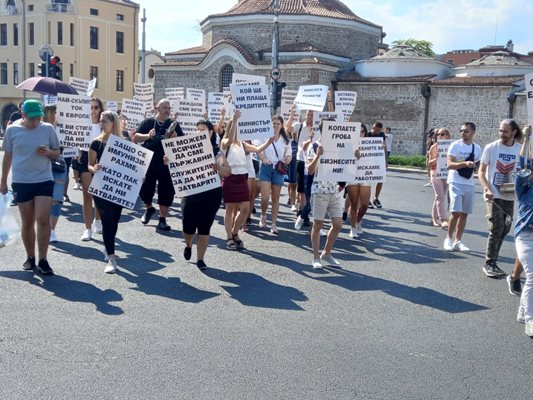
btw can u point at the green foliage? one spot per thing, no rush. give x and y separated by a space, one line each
418 161
422 46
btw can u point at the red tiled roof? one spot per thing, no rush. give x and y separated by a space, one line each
320 8
355 77
190 50
478 81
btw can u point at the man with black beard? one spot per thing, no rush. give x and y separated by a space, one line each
149 134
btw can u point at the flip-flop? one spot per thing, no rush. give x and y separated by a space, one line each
238 242
230 244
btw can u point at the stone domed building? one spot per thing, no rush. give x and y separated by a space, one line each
319 41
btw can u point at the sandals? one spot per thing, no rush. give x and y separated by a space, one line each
434 223
230 244
444 225
238 242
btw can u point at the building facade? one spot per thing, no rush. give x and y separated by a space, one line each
93 38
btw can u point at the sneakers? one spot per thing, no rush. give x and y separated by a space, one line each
274 229
515 286
44 267
87 235
329 261
492 270
53 236
520 317
163 226
529 328
187 252
316 263
359 228
201 265
29 264
377 203
299 223
148 214
78 186
263 221
294 208
448 244
111 266
97 226
323 233
370 205
460 246
353 234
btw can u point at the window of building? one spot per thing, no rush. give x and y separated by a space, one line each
3 34
72 34
94 11
59 32
71 69
15 73
93 73
120 42
226 76
120 81
120 17
15 35
31 69
94 37
3 73
30 7
31 33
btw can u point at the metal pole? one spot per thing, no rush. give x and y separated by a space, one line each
275 44
143 50
24 44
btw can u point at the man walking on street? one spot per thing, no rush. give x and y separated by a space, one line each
463 155
498 162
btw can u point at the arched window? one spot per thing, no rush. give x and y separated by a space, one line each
226 74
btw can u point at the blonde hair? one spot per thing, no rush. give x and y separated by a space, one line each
115 130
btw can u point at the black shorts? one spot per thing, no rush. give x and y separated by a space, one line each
199 211
23 192
83 162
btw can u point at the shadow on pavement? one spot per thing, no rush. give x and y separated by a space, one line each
71 290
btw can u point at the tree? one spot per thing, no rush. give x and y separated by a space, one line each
422 46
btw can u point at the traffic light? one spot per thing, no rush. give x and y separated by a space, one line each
42 69
54 67
279 89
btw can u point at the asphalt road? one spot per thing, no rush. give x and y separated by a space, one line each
403 319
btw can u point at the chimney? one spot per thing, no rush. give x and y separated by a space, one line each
510 45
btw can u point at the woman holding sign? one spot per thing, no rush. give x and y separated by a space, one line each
109 212
439 215
271 174
235 186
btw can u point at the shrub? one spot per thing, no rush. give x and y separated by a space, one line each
411 161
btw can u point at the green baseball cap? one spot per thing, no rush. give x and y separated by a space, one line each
32 108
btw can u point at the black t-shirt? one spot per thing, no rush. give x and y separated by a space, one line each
380 134
99 147
154 143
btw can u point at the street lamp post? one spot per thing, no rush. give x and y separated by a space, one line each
275 44
143 49
23 44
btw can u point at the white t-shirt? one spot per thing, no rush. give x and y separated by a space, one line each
461 151
303 136
501 162
283 150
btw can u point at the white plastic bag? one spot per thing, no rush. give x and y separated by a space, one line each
9 229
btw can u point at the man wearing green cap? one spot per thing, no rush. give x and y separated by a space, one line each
29 145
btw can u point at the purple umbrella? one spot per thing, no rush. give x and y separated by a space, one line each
46 85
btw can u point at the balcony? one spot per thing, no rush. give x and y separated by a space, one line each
10 9
59 6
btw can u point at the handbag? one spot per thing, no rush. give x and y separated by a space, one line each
467 172
281 167
59 166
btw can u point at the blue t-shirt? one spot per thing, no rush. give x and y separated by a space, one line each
27 166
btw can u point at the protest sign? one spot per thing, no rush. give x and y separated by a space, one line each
215 104
111 105
69 152
371 166
81 85
188 113
228 104
174 94
49 100
144 92
287 100
91 87
134 112
442 158
529 97
254 105
74 124
196 96
319 116
339 140
124 167
311 97
345 103
190 161
246 79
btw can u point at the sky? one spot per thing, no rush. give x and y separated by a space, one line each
448 24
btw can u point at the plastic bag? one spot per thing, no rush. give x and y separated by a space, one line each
9 229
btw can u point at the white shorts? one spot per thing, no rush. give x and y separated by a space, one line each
462 198
326 202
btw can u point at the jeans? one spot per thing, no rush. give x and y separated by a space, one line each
496 214
524 250
308 182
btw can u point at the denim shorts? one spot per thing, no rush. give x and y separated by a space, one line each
267 173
